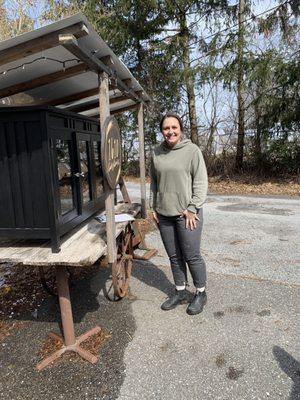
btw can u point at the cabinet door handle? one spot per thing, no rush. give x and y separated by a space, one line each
79 174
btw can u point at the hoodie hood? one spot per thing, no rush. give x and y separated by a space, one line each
178 146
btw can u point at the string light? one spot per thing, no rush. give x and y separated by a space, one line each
43 58
113 79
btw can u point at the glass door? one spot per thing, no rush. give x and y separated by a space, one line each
66 180
97 168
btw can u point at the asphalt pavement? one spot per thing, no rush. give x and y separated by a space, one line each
244 346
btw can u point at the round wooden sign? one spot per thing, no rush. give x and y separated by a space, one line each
111 151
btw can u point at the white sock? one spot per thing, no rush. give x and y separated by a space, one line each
180 287
201 289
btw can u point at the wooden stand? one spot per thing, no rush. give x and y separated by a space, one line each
142 159
139 241
70 342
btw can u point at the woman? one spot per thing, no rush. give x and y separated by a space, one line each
177 193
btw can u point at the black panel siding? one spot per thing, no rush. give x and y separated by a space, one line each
7 216
37 184
16 187
23 154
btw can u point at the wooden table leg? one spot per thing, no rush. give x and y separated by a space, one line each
70 343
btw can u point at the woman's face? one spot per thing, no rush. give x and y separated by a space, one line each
171 131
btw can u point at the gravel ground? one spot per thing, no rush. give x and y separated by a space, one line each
245 345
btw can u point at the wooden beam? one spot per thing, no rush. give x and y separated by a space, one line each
123 189
108 61
118 111
72 45
113 112
96 65
127 82
71 97
142 159
123 109
94 104
110 198
38 44
43 80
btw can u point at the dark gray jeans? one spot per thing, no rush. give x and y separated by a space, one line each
183 247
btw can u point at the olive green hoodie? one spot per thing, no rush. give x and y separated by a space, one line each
178 178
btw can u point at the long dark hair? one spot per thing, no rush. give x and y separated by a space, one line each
170 115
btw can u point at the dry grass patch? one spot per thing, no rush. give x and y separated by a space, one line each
248 184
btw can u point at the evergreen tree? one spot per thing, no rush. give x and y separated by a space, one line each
16 17
265 60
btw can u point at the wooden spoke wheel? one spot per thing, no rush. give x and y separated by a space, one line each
121 269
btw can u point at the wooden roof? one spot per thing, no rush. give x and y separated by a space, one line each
59 65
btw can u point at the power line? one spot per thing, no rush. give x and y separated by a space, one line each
229 28
245 21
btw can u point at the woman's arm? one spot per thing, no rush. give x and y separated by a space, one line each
153 190
199 182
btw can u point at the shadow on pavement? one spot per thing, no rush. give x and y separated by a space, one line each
151 275
291 367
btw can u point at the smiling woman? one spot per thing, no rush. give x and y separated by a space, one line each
171 128
178 192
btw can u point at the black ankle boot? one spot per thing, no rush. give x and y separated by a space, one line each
180 297
197 304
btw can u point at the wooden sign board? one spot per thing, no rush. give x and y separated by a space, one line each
111 151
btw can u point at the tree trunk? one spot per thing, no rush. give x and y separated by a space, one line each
257 143
210 140
240 89
189 79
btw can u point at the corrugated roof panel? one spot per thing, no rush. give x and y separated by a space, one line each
49 61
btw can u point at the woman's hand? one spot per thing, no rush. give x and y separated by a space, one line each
190 219
155 217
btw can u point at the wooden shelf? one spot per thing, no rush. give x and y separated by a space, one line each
80 248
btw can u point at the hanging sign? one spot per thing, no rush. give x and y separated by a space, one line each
111 151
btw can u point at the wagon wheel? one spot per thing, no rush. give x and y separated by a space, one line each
121 269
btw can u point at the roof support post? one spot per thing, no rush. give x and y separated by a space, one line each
142 158
94 64
109 201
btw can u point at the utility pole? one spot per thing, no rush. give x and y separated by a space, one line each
240 88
